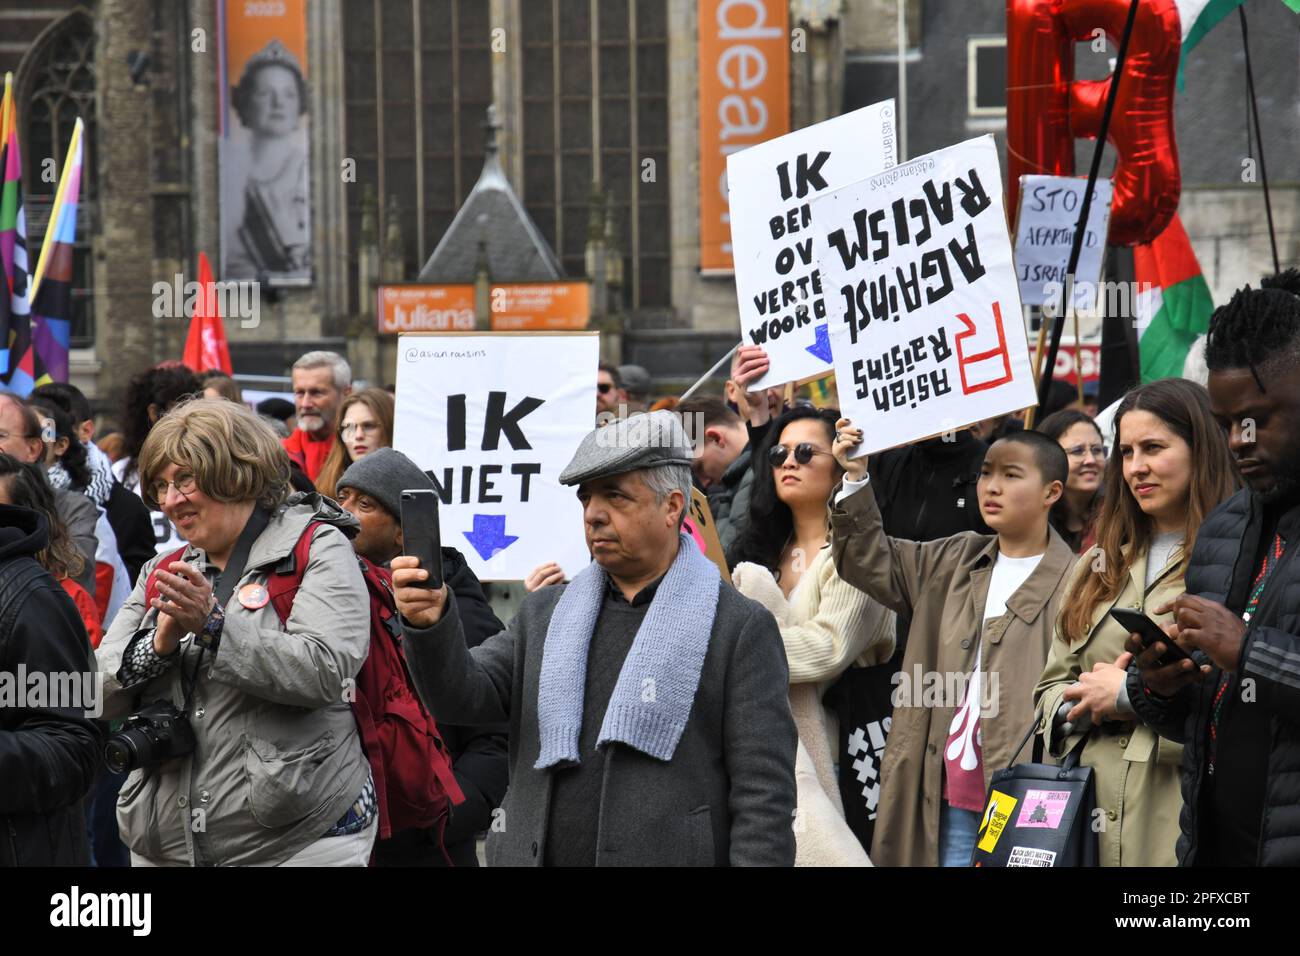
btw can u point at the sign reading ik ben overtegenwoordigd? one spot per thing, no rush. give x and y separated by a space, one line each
1049 216
924 309
782 293
494 418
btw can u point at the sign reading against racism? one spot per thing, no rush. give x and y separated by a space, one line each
494 418
744 99
1049 215
539 306
925 314
425 308
263 141
781 291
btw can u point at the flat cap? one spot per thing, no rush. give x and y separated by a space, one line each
630 444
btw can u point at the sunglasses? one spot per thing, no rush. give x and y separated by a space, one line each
803 453
604 387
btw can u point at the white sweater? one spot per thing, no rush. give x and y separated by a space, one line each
827 626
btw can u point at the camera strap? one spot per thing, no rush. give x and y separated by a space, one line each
224 586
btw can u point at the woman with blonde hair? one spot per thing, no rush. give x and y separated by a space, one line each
253 733
365 423
1171 468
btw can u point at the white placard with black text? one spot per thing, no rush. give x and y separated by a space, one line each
782 296
924 307
1049 216
495 418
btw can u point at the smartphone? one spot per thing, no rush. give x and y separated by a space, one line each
1135 622
421 537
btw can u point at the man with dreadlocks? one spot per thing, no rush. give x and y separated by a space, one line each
1236 705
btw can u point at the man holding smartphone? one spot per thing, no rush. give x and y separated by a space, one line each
647 698
1236 705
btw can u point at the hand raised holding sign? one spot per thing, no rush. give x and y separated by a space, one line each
848 438
542 576
750 364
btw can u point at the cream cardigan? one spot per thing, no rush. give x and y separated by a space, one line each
827 626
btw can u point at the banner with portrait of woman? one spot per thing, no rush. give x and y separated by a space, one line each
263 130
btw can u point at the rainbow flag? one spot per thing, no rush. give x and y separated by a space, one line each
46 359
15 327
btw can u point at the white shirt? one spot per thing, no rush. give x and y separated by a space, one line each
1008 575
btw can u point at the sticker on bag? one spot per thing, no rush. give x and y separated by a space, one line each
996 815
1043 809
1028 856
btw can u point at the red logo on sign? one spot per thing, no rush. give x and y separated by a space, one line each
979 362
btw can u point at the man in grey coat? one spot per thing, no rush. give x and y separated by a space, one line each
649 722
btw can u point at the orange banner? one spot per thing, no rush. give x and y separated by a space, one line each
425 308
540 306
744 100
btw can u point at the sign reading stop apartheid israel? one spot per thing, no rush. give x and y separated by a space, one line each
781 291
494 418
1049 215
921 291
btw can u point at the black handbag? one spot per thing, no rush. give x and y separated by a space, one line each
1038 814
862 702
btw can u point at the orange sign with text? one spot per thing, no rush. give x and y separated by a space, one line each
539 306
744 100
425 308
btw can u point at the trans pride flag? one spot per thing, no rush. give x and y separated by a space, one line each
46 359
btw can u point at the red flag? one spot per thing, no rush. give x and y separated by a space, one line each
205 347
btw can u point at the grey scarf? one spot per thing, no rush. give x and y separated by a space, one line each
667 655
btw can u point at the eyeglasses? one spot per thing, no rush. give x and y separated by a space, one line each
803 453
7 435
1098 451
350 427
604 387
185 484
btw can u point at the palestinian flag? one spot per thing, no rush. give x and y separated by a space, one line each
46 359
15 328
1173 303
1199 17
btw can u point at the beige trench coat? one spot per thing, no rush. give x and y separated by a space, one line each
943 584
1136 771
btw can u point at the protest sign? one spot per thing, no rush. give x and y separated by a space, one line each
700 526
495 417
926 324
781 292
1049 215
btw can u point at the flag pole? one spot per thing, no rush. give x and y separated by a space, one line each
1045 383
709 374
1259 138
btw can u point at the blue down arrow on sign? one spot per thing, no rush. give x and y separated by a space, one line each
489 535
822 347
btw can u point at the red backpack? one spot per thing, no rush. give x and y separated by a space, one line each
414 782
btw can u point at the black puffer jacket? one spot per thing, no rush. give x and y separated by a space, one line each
48 755
1221 570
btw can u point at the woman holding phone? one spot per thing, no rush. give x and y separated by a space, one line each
1171 467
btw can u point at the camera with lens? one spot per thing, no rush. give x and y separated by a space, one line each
157 732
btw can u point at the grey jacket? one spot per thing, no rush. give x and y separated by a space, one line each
730 502
726 797
278 758
80 515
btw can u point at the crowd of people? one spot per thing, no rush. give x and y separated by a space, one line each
282 685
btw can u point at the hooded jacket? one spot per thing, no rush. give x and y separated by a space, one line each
48 755
278 759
